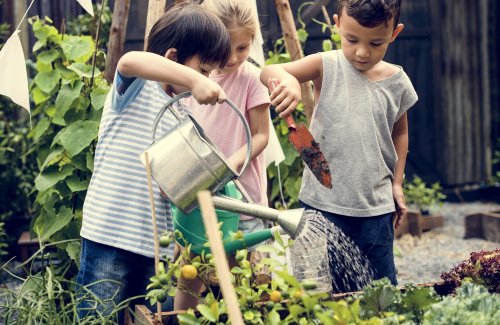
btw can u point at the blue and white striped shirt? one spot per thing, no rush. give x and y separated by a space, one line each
117 210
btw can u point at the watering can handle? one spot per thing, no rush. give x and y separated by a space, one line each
178 116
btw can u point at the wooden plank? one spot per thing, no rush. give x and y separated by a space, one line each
415 223
484 225
431 221
467 115
144 316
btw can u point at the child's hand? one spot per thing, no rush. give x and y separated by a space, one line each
399 200
206 91
285 96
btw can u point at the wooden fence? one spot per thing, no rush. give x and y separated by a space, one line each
448 48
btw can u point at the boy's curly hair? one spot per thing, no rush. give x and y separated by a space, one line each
371 13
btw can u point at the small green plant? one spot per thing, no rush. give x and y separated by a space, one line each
423 196
47 297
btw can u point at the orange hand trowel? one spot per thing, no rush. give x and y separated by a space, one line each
307 147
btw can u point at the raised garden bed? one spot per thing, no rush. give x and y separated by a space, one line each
484 225
415 223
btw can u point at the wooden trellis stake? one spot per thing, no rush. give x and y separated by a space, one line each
221 264
117 37
156 8
293 47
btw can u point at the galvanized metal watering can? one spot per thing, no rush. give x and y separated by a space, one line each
184 161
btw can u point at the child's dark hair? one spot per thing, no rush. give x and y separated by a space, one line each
371 13
192 30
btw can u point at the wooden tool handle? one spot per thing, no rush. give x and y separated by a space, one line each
290 122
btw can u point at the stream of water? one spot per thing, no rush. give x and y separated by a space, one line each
323 253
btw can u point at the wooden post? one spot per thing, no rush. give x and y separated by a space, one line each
293 47
221 264
156 8
117 37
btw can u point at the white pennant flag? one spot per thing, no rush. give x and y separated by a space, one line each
13 74
87 5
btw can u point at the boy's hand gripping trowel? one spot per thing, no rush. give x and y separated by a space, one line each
307 147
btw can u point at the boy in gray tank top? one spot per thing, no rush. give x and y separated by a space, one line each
360 122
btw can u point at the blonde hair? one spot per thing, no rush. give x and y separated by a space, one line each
234 13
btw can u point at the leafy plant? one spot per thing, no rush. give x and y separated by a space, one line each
471 305
381 299
423 196
69 95
49 298
481 268
285 300
85 24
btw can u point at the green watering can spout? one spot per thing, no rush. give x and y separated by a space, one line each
249 239
193 230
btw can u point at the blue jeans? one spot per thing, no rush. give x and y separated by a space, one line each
373 235
113 275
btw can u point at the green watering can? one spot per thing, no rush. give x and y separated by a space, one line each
193 230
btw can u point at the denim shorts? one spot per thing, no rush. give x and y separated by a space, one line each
129 274
373 235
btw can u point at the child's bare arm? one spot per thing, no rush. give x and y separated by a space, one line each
150 66
259 128
287 94
400 140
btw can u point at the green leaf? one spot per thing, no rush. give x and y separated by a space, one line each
379 296
206 312
38 96
273 317
41 127
83 70
296 310
290 279
188 319
80 162
327 45
75 184
90 161
53 158
249 315
51 177
33 284
267 249
47 81
43 32
77 136
78 48
302 34
66 96
98 96
46 225
47 57
73 250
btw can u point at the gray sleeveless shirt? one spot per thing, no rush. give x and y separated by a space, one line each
352 122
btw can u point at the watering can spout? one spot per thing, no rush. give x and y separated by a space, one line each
292 221
249 239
